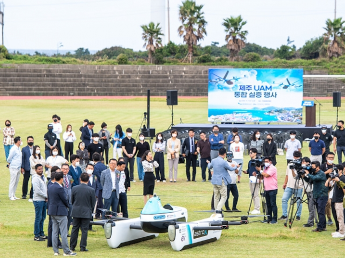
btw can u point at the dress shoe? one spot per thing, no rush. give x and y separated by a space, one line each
83 250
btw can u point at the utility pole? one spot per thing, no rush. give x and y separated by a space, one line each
335 9
168 23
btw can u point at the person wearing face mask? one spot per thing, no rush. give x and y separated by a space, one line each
327 139
54 160
57 129
141 147
269 148
35 158
204 149
117 142
317 148
291 188
50 141
320 192
217 141
292 145
129 149
158 148
149 180
122 207
83 155
95 146
256 142
190 152
14 161
269 175
237 149
339 140
104 139
231 137
26 154
97 171
67 186
69 138
8 141
173 147
75 170
95 184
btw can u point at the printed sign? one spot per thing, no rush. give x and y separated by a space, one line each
200 233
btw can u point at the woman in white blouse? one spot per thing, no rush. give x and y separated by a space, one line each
173 147
54 160
149 179
237 149
35 159
69 138
159 148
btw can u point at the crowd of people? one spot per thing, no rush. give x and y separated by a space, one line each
76 185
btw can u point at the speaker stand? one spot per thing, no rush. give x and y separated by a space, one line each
172 117
336 122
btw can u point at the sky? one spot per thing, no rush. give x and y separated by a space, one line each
98 24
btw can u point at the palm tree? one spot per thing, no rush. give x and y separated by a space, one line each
335 32
193 25
151 35
235 36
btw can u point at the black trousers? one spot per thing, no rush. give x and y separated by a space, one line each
26 183
58 145
50 232
106 151
334 213
83 225
123 204
131 166
99 204
204 168
191 159
233 189
272 209
69 218
159 157
68 150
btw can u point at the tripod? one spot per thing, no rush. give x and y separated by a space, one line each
262 195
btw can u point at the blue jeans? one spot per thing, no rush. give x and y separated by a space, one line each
40 216
340 151
141 172
7 150
204 168
321 211
287 195
239 161
111 202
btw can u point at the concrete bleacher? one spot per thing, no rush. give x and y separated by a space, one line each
124 80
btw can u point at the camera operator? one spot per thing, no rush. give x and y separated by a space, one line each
220 178
254 186
328 168
291 188
269 174
320 192
337 199
308 187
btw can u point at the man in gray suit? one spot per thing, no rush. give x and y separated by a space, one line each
110 182
67 186
83 200
220 178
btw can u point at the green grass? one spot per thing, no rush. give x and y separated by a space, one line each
30 117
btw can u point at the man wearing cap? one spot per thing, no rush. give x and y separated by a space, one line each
317 148
327 138
291 145
50 140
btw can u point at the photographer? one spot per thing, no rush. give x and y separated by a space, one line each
337 199
320 192
220 178
255 185
291 188
328 168
308 187
269 174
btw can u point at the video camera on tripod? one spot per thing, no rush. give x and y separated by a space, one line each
258 162
298 167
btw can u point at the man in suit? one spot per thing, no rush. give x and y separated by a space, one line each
98 168
189 151
26 153
67 186
57 209
86 133
94 183
75 170
110 182
83 202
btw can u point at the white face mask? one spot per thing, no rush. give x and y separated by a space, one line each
89 171
267 164
129 134
292 136
257 136
159 137
96 139
69 129
141 138
38 151
323 131
21 143
330 161
77 164
55 153
174 135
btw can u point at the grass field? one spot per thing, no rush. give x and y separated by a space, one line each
30 117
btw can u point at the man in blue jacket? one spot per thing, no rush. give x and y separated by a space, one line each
75 170
220 179
216 141
57 209
26 153
86 133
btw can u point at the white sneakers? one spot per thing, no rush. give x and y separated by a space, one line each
164 181
337 234
158 181
30 200
12 199
255 212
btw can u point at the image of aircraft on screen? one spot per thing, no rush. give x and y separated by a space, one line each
255 95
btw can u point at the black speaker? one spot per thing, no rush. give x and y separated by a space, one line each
171 97
337 99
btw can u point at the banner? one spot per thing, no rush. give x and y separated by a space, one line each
255 95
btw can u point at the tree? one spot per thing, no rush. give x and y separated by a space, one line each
335 32
235 37
311 48
193 25
285 52
152 36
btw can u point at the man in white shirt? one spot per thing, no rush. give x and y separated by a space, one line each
14 164
292 145
124 181
57 129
